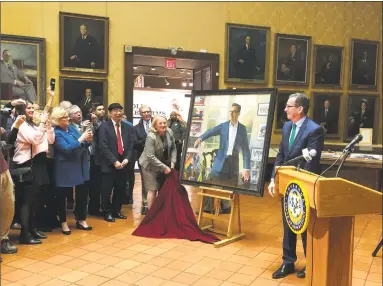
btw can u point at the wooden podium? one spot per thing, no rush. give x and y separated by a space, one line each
330 233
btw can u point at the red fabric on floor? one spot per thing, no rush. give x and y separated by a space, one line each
171 215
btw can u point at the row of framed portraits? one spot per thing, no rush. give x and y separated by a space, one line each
340 116
247 58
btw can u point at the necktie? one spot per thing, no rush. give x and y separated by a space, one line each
325 114
86 101
120 150
292 135
147 126
9 67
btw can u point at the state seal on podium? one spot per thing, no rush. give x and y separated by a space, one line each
296 207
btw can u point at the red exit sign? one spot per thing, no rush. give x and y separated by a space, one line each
170 63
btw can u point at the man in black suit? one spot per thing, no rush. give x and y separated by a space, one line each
328 118
360 119
116 144
86 102
86 51
292 68
363 71
329 73
246 61
142 129
98 117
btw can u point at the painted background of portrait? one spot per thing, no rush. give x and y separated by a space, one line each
281 117
236 42
96 29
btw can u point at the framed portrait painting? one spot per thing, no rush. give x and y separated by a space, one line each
362 113
326 109
364 64
292 59
247 53
23 69
84 92
328 66
84 43
207 160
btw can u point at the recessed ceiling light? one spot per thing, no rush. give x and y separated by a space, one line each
189 72
153 68
134 67
184 84
191 83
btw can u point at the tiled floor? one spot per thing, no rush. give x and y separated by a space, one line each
110 256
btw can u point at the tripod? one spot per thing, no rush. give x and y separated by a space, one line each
378 247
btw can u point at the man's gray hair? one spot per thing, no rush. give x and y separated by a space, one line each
301 99
144 106
73 109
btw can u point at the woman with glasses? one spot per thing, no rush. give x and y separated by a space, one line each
71 168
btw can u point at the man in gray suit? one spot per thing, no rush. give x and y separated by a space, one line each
22 86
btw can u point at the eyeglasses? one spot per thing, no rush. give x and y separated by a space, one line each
233 111
290 106
65 118
146 112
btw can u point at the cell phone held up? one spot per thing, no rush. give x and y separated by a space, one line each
52 84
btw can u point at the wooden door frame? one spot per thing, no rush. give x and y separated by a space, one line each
131 51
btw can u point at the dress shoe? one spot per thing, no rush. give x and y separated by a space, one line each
38 234
302 273
66 232
28 239
16 226
283 271
119 215
108 217
144 210
7 247
80 226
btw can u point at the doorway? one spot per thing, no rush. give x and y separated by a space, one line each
148 69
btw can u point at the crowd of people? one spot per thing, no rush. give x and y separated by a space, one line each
56 159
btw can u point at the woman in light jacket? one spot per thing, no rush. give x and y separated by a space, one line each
71 168
31 148
158 158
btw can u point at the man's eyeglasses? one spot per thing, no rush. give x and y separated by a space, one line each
290 106
233 111
146 112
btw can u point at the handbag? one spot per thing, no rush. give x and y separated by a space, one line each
23 174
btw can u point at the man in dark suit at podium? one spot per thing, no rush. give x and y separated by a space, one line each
297 134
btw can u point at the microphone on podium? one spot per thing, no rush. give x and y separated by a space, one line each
306 155
354 141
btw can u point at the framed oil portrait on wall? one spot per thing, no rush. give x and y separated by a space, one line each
326 109
292 59
328 66
362 112
84 92
247 53
206 160
280 114
84 43
23 69
364 64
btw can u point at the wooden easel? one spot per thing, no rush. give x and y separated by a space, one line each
233 232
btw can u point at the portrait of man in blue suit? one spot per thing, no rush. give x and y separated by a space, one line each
233 141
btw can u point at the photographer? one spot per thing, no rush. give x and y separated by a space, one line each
30 153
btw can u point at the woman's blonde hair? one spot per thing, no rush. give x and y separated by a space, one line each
155 121
57 113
